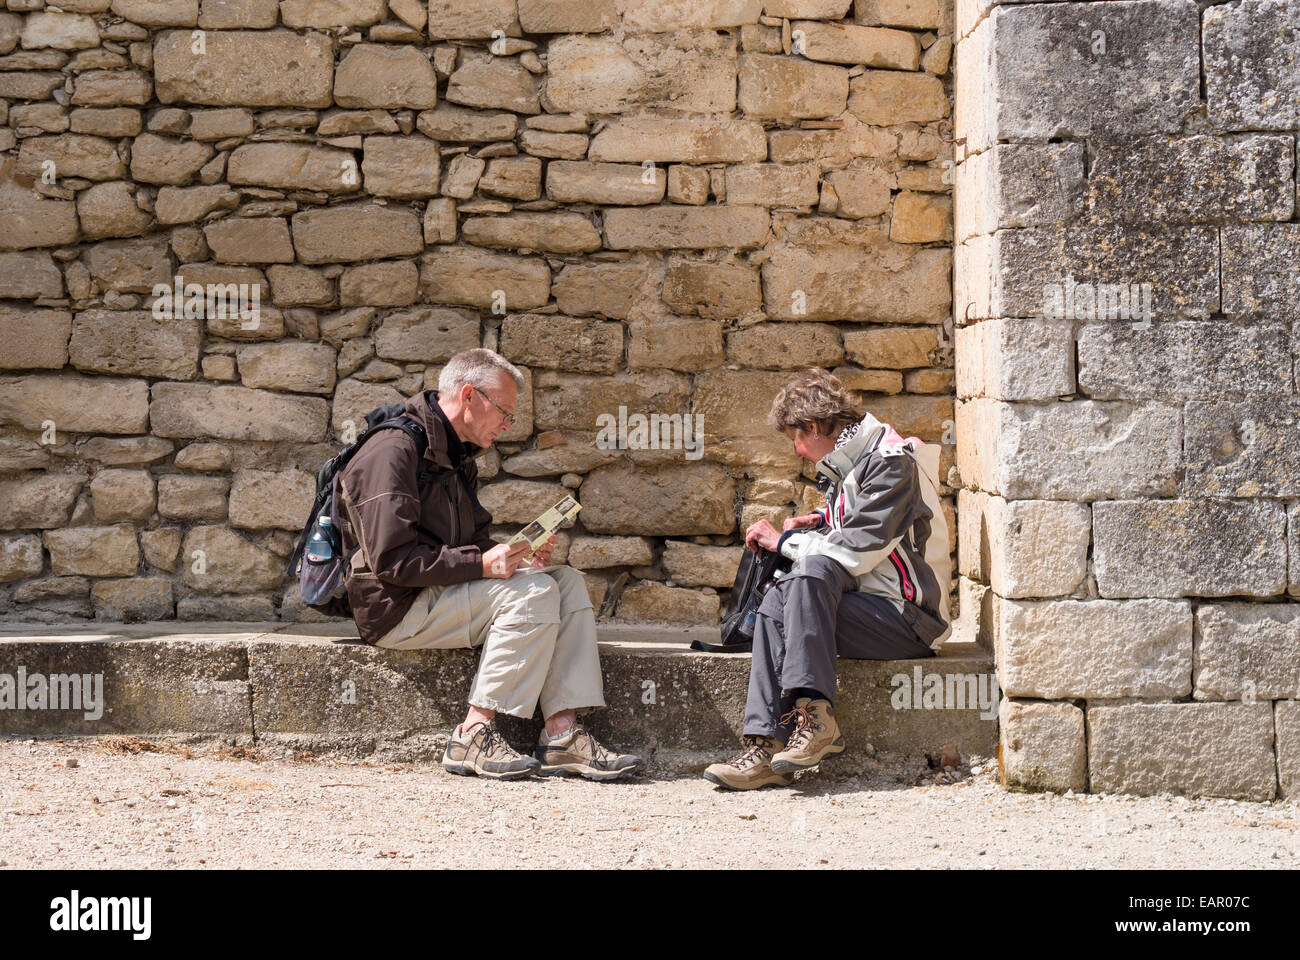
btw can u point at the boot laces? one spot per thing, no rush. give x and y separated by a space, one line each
754 752
806 725
494 742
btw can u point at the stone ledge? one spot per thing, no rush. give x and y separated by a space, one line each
303 687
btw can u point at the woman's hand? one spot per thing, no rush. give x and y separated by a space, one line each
762 534
798 523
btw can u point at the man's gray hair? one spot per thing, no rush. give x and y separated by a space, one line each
475 367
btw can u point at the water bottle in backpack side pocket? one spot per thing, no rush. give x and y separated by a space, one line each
320 548
322 574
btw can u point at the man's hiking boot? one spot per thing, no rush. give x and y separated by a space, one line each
816 736
751 769
578 752
483 751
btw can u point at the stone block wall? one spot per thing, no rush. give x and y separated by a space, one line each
1126 280
662 207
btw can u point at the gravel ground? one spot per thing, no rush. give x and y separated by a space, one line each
125 803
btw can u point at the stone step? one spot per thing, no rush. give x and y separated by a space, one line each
305 687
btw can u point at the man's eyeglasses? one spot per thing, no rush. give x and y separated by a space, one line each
510 417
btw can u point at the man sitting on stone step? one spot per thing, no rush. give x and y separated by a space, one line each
427 575
869 580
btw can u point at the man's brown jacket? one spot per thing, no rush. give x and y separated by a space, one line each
409 536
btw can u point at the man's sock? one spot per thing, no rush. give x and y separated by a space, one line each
560 738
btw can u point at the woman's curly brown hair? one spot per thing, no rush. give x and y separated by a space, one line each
816 398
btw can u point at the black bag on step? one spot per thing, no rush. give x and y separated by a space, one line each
759 569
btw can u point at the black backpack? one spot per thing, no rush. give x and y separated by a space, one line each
323 585
758 571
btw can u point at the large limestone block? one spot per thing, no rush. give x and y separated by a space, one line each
572 181
891 348
292 365
110 88
1247 651
1197 749
165 160
31 220
218 560
852 44
34 338
118 495
674 226
450 122
592 553
776 88
1244 449
294 166
664 16
59 31
883 97
564 453
477 20
914 14
248 68
1251 80
879 281
520 501
192 498
93 551
1043 746
234 413
271 499
331 13
21 558
495 83
356 232
773 184
715 290
188 204
1025 548
110 210
565 232
37 500
1047 83
353 400
693 72
1011 359
1260 279
661 140
133 342
405 167
785 346
481 278
70 155
158 13
563 343
677 343
659 500
1095 649
426 334
1184 360
1083 450
570 401
130 266
1197 179
647 601
384 77
567 16
133 600
610 289
251 240
1019 185
75 404
693 565
1175 548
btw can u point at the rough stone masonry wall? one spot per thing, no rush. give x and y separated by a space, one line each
1130 530
667 206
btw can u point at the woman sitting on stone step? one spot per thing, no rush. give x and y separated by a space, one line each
869 581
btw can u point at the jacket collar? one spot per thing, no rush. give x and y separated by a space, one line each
423 408
838 464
